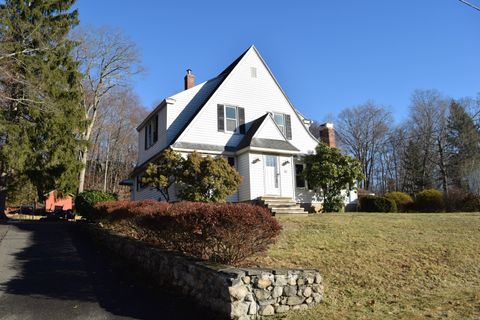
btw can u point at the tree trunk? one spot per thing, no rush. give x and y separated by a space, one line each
443 170
88 133
106 167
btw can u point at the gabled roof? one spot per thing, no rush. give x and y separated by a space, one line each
210 87
222 76
251 140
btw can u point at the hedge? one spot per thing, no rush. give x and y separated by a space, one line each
402 200
223 233
377 204
429 200
86 200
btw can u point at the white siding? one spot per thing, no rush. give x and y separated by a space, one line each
269 130
186 104
243 168
151 193
286 176
257 95
161 143
257 183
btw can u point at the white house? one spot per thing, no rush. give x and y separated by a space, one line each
243 115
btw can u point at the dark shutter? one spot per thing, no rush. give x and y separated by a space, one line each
221 117
155 129
288 127
241 119
146 136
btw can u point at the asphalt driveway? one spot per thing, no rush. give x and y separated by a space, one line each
48 270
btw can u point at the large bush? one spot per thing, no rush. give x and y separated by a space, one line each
377 204
330 173
471 203
429 200
208 179
224 233
85 201
402 200
458 200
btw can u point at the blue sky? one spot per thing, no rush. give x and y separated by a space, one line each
327 55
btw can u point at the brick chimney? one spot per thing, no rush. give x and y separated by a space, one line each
327 134
189 80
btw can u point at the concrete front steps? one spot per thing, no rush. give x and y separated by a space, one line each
282 206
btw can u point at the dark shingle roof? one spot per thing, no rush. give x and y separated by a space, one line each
251 132
272 144
202 146
222 76
249 140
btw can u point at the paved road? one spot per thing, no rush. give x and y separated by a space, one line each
49 271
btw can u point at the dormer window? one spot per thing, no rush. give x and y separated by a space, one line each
284 123
151 132
279 119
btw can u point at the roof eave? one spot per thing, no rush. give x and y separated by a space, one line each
160 106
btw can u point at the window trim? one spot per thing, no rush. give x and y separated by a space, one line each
283 127
151 132
237 119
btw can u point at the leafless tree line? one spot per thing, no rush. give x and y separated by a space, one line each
108 62
437 146
112 150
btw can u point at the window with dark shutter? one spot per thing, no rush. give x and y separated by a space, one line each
155 130
288 127
221 117
146 137
241 119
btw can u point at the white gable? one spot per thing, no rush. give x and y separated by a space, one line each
257 95
269 130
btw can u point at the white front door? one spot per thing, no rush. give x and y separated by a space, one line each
272 176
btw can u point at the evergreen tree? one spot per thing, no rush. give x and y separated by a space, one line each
413 177
463 139
331 173
40 114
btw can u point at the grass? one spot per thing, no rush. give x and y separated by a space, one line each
386 266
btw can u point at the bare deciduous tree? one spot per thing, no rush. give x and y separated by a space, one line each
108 59
113 150
362 132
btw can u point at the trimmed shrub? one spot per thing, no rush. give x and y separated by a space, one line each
223 233
429 200
377 204
471 203
85 201
402 200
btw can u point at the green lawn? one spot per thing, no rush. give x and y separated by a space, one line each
386 266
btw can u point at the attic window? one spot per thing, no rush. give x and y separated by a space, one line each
253 72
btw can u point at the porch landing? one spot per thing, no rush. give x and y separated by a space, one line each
282 206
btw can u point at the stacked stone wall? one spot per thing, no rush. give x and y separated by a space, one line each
235 293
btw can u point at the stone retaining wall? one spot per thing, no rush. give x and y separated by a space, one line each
231 293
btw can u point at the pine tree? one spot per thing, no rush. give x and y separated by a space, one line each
463 139
40 114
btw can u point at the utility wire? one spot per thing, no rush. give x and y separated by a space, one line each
470 5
